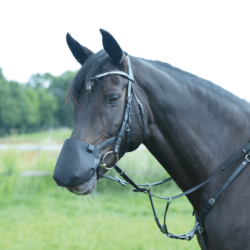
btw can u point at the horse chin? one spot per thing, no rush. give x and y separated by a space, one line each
84 188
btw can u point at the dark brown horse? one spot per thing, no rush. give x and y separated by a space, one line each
193 128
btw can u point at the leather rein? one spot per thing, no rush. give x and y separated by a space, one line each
199 225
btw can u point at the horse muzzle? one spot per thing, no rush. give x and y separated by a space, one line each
78 161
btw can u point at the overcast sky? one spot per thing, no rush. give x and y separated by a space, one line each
210 39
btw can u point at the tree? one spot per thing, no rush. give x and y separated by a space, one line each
12 106
47 107
39 104
59 87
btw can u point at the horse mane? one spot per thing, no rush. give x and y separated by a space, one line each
198 80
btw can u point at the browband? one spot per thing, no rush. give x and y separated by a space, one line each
121 73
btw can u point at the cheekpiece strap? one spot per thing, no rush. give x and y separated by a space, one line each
127 113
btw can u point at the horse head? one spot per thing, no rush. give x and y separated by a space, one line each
100 105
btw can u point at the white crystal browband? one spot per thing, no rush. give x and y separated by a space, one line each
121 73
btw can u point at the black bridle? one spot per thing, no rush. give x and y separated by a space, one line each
125 126
199 225
85 158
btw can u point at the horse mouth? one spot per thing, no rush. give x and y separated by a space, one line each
84 188
72 190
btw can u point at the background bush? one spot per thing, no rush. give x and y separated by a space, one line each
36 105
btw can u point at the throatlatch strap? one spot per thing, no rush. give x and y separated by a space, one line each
142 115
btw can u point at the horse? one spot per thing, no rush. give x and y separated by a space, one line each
190 125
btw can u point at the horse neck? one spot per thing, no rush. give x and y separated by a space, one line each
194 127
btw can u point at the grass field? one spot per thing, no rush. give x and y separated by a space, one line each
36 214
46 137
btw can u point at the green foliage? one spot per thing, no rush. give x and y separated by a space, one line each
59 87
13 108
39 104
1 74
48 106
33 107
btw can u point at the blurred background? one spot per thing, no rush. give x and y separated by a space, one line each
208 39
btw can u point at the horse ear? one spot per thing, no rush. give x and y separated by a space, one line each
80 52
112 47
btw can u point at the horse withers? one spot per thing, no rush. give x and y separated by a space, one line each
190 125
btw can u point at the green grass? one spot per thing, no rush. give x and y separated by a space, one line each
108 222
49 136
35 214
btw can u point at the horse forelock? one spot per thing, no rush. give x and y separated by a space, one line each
93 65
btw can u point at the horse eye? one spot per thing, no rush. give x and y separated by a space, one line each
113 98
